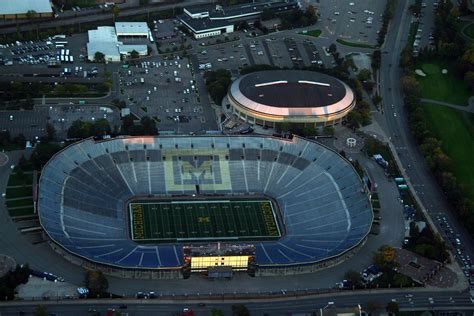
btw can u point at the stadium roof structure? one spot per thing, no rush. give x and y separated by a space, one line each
83 191
291 92
23 6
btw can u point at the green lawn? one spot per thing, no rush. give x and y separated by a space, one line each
19 192
352 44
16 179
314 33
22 211
447 88
456 130
22 202
211 220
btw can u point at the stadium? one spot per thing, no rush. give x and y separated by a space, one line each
134 203
269 97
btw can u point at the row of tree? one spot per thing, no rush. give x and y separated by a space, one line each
450 46
388 13
431 147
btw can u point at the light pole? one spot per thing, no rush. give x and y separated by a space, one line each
360 309
321 309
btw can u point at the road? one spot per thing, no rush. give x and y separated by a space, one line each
394 121
283 306
98 16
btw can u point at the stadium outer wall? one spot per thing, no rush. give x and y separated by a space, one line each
176 273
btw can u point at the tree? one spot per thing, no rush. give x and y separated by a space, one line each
42 153
410 85
134 54
385 258
50 131
372 306
469 78
96 282
353 277
40 310
329 130
99 57
217 312
376 99
376 59
149 126
101 127
80 129
115 12
332 48
392 308
364 74
240 310
31 14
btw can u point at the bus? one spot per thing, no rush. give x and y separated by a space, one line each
62 52
62 58
59 46
61 42
59 36
67 51
71 59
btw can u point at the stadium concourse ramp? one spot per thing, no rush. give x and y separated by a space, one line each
84 190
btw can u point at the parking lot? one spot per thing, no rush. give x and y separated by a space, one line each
166 90
424 36
272 50
354 21
31 124
47 58
62 116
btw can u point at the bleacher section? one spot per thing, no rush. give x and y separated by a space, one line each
84 188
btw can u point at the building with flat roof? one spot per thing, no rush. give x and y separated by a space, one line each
211 20
290 96
132 29
18 9
105 40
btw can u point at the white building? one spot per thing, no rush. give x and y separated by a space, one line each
132 29
18 9
105 40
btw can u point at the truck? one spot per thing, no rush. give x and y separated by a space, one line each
142 80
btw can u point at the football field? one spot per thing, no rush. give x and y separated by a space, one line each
214 220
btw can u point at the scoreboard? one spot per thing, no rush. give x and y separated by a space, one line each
201 258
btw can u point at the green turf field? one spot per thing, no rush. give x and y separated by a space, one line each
164 221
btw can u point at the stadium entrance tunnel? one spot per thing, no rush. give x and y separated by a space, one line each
132 203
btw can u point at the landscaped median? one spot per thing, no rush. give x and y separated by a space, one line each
314 33
353 44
